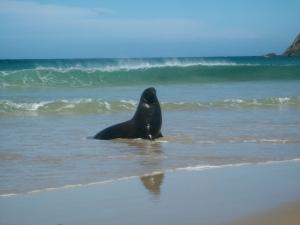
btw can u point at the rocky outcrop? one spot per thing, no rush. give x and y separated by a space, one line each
271 55
294 49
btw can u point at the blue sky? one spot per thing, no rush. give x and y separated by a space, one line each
156 28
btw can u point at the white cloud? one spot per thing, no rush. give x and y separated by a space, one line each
253 36
81 21
36 19
103 12
31 11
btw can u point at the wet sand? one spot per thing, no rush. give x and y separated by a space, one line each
285 214
215 196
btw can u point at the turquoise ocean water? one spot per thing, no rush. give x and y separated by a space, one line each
217 112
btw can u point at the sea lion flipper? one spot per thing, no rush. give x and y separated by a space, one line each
160 135
150 137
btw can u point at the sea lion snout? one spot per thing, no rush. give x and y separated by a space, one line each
150 95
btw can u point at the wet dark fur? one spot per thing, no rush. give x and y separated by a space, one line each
146 122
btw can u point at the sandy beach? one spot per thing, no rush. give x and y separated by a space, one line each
284 214
215 196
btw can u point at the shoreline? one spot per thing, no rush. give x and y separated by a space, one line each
188 169
215 196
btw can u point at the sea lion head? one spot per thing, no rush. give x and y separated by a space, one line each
149 95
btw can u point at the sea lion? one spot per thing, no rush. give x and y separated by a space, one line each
146 122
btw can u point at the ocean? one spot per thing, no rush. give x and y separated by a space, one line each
217 112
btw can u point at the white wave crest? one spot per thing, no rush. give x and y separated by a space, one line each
25 106
68 187
137 64
132 102
207 167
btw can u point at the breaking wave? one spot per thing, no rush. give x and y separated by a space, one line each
98 106
130 72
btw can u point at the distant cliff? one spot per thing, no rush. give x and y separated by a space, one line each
292 51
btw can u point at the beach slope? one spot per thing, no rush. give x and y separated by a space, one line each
212 196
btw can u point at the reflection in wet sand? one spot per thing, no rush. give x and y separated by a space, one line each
153 149
153 183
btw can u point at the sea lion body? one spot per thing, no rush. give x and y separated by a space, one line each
146 122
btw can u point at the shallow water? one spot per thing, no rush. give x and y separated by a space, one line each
46 128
